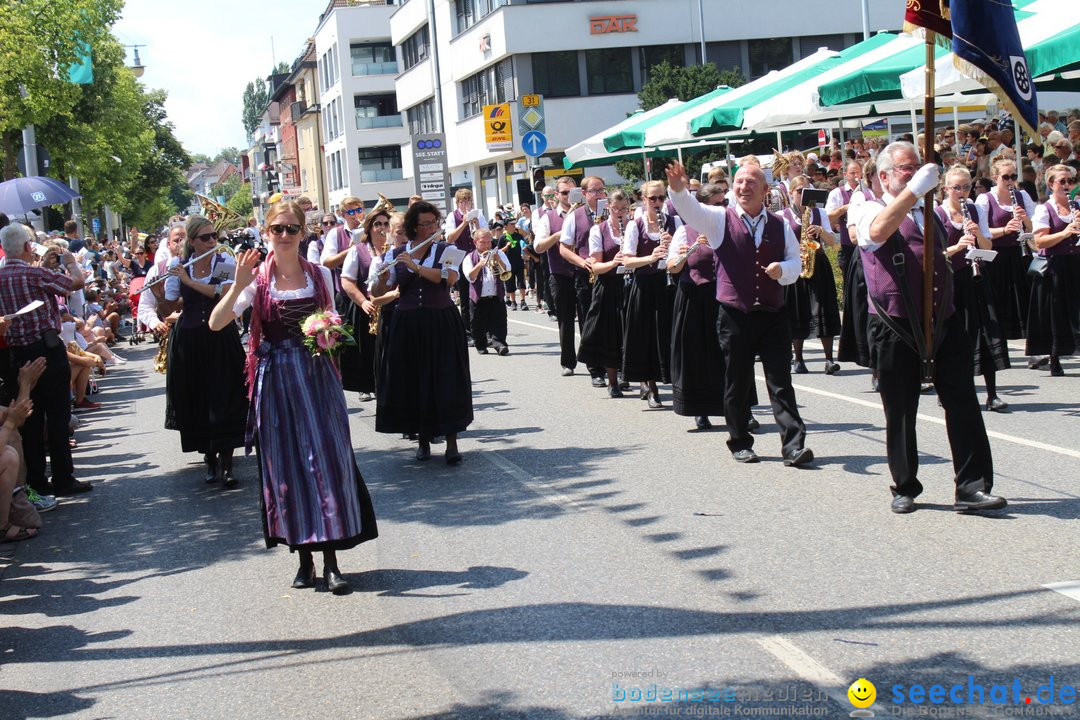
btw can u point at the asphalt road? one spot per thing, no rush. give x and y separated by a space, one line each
586 548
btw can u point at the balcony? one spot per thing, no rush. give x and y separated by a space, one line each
387 175
372 122
374 68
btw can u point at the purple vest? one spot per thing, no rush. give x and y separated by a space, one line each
608 245
363 265
1000 217
646 245
582 225
556 263
464 240
416 292
1066 246
700 267
953 233
741 281
845 195
881 279
476 287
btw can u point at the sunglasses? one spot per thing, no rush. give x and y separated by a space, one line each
960 188
380 224
658 198
290 229
353 211
1009 177
328 223
205 237
1066 181
564 192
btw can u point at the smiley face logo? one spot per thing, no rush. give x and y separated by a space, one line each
862 693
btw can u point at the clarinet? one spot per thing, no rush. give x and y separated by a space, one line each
976 271
1016 203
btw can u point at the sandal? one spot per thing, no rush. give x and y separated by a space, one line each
20 534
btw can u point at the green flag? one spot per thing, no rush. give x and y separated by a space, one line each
82 71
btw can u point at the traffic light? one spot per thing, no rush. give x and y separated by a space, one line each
538 179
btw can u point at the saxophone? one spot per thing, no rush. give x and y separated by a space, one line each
161 360
808 246
373 325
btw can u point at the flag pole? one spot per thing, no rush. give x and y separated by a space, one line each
928 211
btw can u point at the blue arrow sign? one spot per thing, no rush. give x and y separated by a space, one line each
534 143
95 223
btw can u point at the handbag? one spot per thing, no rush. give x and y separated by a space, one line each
23 513
1039 266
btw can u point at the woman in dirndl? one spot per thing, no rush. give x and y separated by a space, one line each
424 385
313 496
967 228
602 333
357 362
204 379
1054 312
811 303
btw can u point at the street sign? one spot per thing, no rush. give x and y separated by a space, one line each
534 143
498 131
531 113
431 173
95 223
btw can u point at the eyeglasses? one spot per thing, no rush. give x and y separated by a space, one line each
353 211
1065 181
380 224
597 191
550 195
960 188
328 223
564 192
658 198
906 169
1008 178
205 237
430 223
290 229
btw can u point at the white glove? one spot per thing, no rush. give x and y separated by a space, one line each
924 180
472 215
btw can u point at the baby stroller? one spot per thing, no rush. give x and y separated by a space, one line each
137 329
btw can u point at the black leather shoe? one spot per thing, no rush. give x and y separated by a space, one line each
1039 362
654 402
1055 368
230 481
305 577
613 391
831 368
745 456
995 404
599 383
802 456
799 367
702 422
752 424
423 452
978 501
481 351
211 468
77 487
454 458
902 504
503 351
334 582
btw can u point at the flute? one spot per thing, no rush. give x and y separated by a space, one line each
162 278
421 246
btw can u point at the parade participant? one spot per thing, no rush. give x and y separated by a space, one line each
602 336
459 228
647 333
756 255
542 286
889 230
967 228
1054 313
574 249
357 362
854 343
1007 218
811 302
487 292
424 385
384 304
313 496
337 242
561 273
204 378
328 224
512 245
851 192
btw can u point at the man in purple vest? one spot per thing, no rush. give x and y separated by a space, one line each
756 254
546 233
850 192
486 294
890 237
458 227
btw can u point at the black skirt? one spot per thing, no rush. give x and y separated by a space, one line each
1010 290
385 313
811 302
205 387
647 332
976 307
602 335
697 362
1054 314
854 343
357 362
424 384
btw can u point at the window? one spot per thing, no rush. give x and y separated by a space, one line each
422 118
334 71
373 59
555 74
376 111
490 86
609 71
416 47
656 54
725 55
469 12
809 44
380 164
769 54
334 176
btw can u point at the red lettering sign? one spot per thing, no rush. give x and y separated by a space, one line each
612 24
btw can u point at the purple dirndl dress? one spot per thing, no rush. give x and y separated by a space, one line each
313 496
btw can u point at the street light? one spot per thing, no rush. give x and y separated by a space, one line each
138 68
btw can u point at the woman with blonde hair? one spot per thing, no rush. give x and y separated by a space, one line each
313 496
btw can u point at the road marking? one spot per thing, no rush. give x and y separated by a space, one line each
805 667
534 484
877 405
1070 588
534 325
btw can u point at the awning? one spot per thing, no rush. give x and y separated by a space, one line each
633 135
594 147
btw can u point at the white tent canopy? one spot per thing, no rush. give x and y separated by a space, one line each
592 148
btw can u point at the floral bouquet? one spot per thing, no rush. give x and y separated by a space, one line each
325 333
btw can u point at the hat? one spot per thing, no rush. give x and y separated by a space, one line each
495 224
812 157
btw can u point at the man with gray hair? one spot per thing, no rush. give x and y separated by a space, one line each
890 237
37 334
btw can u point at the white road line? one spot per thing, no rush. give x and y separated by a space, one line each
806 667
534 325
1070 588
534 484
877 405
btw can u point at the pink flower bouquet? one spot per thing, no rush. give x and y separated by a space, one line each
325 333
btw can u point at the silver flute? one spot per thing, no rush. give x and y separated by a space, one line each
162 278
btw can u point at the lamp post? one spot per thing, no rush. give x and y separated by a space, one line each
137 68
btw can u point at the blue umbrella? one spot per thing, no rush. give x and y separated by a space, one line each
21 195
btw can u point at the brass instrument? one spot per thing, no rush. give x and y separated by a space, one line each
222 217
373 324
161 360
808 246
976 271
494 262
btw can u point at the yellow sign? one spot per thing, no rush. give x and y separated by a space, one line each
553 174
530 100
498 131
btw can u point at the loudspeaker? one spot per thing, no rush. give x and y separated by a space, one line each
525 192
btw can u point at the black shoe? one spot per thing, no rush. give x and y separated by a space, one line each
831 368
228 479
599 383
334 582
978 501
926 388
802 456
305 577
1037 363
654 402
613 391
799 367
481 351
1055 368
503 351
454 458
752 424
996 404
902 504
745 456
76 487
211 469
873 384
524 306
702 422
567 372
423 452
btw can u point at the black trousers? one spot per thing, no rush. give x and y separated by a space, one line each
843 259
463 302
742 337
899 379
489 323
583 299
50 419
564 303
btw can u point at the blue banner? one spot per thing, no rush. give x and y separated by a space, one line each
987 48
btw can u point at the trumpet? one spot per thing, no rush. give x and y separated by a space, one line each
494 263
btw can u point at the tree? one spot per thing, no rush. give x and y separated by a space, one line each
255 99
230 155
241 201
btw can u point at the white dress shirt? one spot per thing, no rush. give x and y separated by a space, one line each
983 203
487 286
